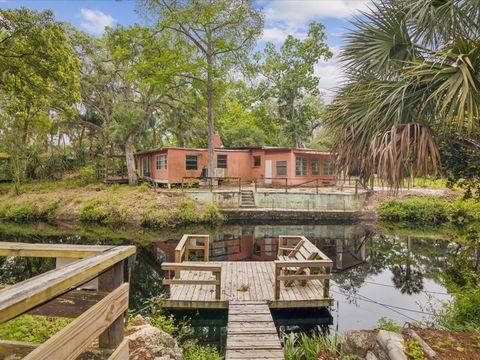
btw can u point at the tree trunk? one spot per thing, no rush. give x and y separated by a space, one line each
211 124
132 176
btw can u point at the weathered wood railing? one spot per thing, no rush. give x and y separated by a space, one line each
177 268
186 244
191 242
300 260
99 314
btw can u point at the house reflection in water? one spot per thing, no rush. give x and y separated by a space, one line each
344 244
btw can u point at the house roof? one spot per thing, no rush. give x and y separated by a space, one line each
240 149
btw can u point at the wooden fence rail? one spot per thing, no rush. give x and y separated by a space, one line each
177 269
99 314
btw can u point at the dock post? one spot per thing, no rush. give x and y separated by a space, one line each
218 285
277 282
286 185
109 281
316 183
326 283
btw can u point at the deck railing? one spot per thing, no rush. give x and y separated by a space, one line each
177 269
300 266
99 314
182 251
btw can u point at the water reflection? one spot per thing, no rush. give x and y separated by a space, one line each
374 275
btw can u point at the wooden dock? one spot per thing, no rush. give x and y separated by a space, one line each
251 333
239 281
249 289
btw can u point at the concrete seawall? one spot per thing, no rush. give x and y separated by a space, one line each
289 206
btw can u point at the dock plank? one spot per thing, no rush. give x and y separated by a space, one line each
251 333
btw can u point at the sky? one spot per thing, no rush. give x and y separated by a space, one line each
282 17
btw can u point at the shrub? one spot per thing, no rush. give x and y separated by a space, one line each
27 211
212 215
154 218
95 211
463 212
187 213
143 187
198 352
86 175
309 347
165 323
419 210
36 329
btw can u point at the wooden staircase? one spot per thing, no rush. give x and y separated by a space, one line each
251 333
247 199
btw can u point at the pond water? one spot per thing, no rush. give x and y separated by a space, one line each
375 274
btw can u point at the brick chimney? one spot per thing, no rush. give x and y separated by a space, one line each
217 141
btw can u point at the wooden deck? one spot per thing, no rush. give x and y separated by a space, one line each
251 333
242 281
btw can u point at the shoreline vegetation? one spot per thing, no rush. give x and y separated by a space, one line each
97 203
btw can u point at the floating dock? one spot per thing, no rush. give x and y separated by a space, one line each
299 278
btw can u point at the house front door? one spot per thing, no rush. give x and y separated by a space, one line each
268 171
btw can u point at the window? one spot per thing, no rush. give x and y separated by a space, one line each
281 167
257 161
328 167
191 162
161 162
301 166
315 166
222 161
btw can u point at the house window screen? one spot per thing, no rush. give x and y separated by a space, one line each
257 161
301 166
281 167
328 167
315 166
191 162
222 161
161 162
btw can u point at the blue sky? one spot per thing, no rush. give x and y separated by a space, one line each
282 17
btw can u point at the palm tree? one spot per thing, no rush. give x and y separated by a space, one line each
413 69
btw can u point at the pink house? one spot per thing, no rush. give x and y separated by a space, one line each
169 165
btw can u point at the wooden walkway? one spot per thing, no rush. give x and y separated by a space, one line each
251 333
242 281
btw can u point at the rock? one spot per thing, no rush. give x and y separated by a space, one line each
150 343
358 342
392 344
371 356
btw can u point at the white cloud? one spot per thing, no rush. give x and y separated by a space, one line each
279 34
95 21
302 10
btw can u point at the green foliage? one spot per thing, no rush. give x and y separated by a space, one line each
389 325
27 211
407 69
187 213
143 187
419 210
165 323
211 214
85 175
413 349
308 347
36 329
95 210
462 212
198 352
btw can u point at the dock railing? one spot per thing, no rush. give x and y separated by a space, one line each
182 251
98 313
300 260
